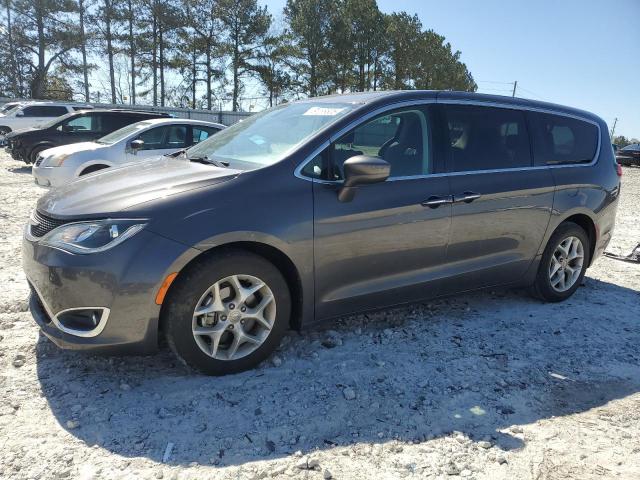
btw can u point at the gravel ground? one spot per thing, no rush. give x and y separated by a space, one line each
492 385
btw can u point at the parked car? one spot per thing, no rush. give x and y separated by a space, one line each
133 143
321 208
82 126
35 114
629 155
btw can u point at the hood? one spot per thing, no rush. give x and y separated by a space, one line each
75 147
117 189
21 131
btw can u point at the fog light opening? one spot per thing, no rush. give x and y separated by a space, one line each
82 321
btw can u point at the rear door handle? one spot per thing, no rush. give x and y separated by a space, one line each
435 201
466 197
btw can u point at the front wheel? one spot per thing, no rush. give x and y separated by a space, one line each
564 263
33 155
227 313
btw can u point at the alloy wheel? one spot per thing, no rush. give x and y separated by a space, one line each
234 317
566 264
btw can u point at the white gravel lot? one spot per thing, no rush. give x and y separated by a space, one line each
493 385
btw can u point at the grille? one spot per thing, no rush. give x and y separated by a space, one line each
39 160
41 224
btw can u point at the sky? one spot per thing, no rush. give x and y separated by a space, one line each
580 53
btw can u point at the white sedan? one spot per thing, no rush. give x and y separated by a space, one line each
133 143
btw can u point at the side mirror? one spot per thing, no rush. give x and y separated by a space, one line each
362 170
137 145
20 114
67 128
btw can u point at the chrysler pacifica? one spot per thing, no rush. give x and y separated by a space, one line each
316 209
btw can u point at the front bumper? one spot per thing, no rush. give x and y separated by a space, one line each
16 151
52 176
123 280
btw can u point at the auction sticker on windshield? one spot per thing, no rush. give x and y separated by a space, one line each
323 111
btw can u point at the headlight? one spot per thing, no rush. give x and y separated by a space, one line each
54 160
93 236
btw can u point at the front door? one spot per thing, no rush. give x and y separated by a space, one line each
502 205
388 244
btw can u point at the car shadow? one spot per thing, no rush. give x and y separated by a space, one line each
476 364
25 170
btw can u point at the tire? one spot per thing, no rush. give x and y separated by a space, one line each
195 287
543 287
93 168
33 155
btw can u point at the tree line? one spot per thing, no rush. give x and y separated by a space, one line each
204 53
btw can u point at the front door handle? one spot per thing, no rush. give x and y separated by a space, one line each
466 197
435 201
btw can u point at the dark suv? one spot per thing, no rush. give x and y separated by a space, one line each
321 208
82 126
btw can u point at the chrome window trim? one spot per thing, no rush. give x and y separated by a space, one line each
78 333
409 103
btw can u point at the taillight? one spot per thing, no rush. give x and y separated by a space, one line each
618 169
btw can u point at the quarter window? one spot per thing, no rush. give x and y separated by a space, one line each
486 138
562 140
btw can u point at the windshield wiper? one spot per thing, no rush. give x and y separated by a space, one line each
209 161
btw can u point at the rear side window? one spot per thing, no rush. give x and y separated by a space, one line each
44 111
562 140
486 138
200 133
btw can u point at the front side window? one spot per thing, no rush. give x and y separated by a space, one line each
562 140
82 123
268 137
153 138
486 138
402 138
165 137
176 136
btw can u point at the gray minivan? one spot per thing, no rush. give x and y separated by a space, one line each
320 208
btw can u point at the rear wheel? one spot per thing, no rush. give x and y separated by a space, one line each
227 313
563 263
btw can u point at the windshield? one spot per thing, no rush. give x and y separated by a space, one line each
267 137
12 110
123 133
8 107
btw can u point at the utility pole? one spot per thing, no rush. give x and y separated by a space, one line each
613 129
515 85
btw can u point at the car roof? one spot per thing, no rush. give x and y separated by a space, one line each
31 103
161 121
385 97
127 111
